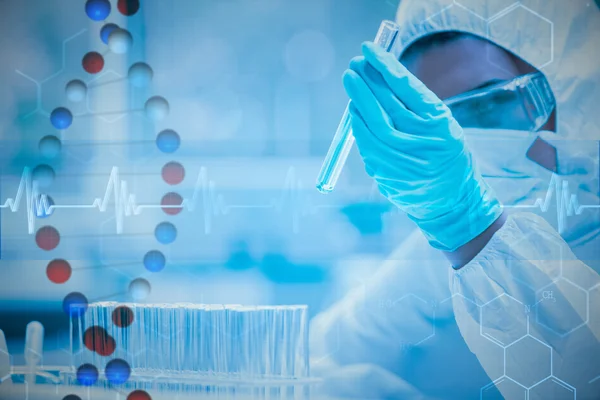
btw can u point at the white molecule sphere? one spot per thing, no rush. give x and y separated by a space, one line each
139 289
76 90
140 74
49 146
120 41
156 108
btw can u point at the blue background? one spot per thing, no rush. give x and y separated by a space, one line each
255 93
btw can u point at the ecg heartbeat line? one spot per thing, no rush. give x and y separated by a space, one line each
567 203
205 195
212 204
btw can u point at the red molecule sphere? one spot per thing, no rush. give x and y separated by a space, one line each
107 347
139 395
93 335
122 316
47 238
93 62
128 7
96 339
58 271
173 173
171 199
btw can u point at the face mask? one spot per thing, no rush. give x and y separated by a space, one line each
502 161
501 153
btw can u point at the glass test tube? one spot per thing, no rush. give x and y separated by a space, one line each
343 140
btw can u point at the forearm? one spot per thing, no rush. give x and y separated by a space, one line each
521 293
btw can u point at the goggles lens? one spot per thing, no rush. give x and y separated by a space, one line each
524 103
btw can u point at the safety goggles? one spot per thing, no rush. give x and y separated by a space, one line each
524 103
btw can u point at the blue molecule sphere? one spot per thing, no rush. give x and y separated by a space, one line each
117 371
106 31
168 141
165 232
140 74
41 206
154 261
71 397
49 146
75 304
87 375
97 10
44 175
61 118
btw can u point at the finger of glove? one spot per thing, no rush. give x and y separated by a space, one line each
368 144
375 117
378 122
402 118
418 145
412 134
383 161
410 90
402 178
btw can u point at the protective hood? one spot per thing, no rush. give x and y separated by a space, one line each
560 38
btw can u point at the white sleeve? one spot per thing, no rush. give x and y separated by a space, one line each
378 321
528 294
399 328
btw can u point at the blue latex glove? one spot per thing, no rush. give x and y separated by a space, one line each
414 149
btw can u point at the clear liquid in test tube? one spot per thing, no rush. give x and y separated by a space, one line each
343 140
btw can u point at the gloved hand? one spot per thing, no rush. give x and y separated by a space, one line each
414 149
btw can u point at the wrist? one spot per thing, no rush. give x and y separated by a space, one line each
467 252
465 217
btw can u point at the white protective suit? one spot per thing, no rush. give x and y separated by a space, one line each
522 318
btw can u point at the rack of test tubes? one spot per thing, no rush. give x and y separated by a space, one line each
176 351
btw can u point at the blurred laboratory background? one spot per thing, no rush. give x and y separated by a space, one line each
228 114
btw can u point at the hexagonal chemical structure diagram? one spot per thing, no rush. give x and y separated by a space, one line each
578 272
526 33
562 307
552 389
425 330
495 317
28 89
485 9
528 361
503 388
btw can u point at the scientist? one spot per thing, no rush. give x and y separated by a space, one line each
419 328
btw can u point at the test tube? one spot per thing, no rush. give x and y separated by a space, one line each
343 140
5 374
34 344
